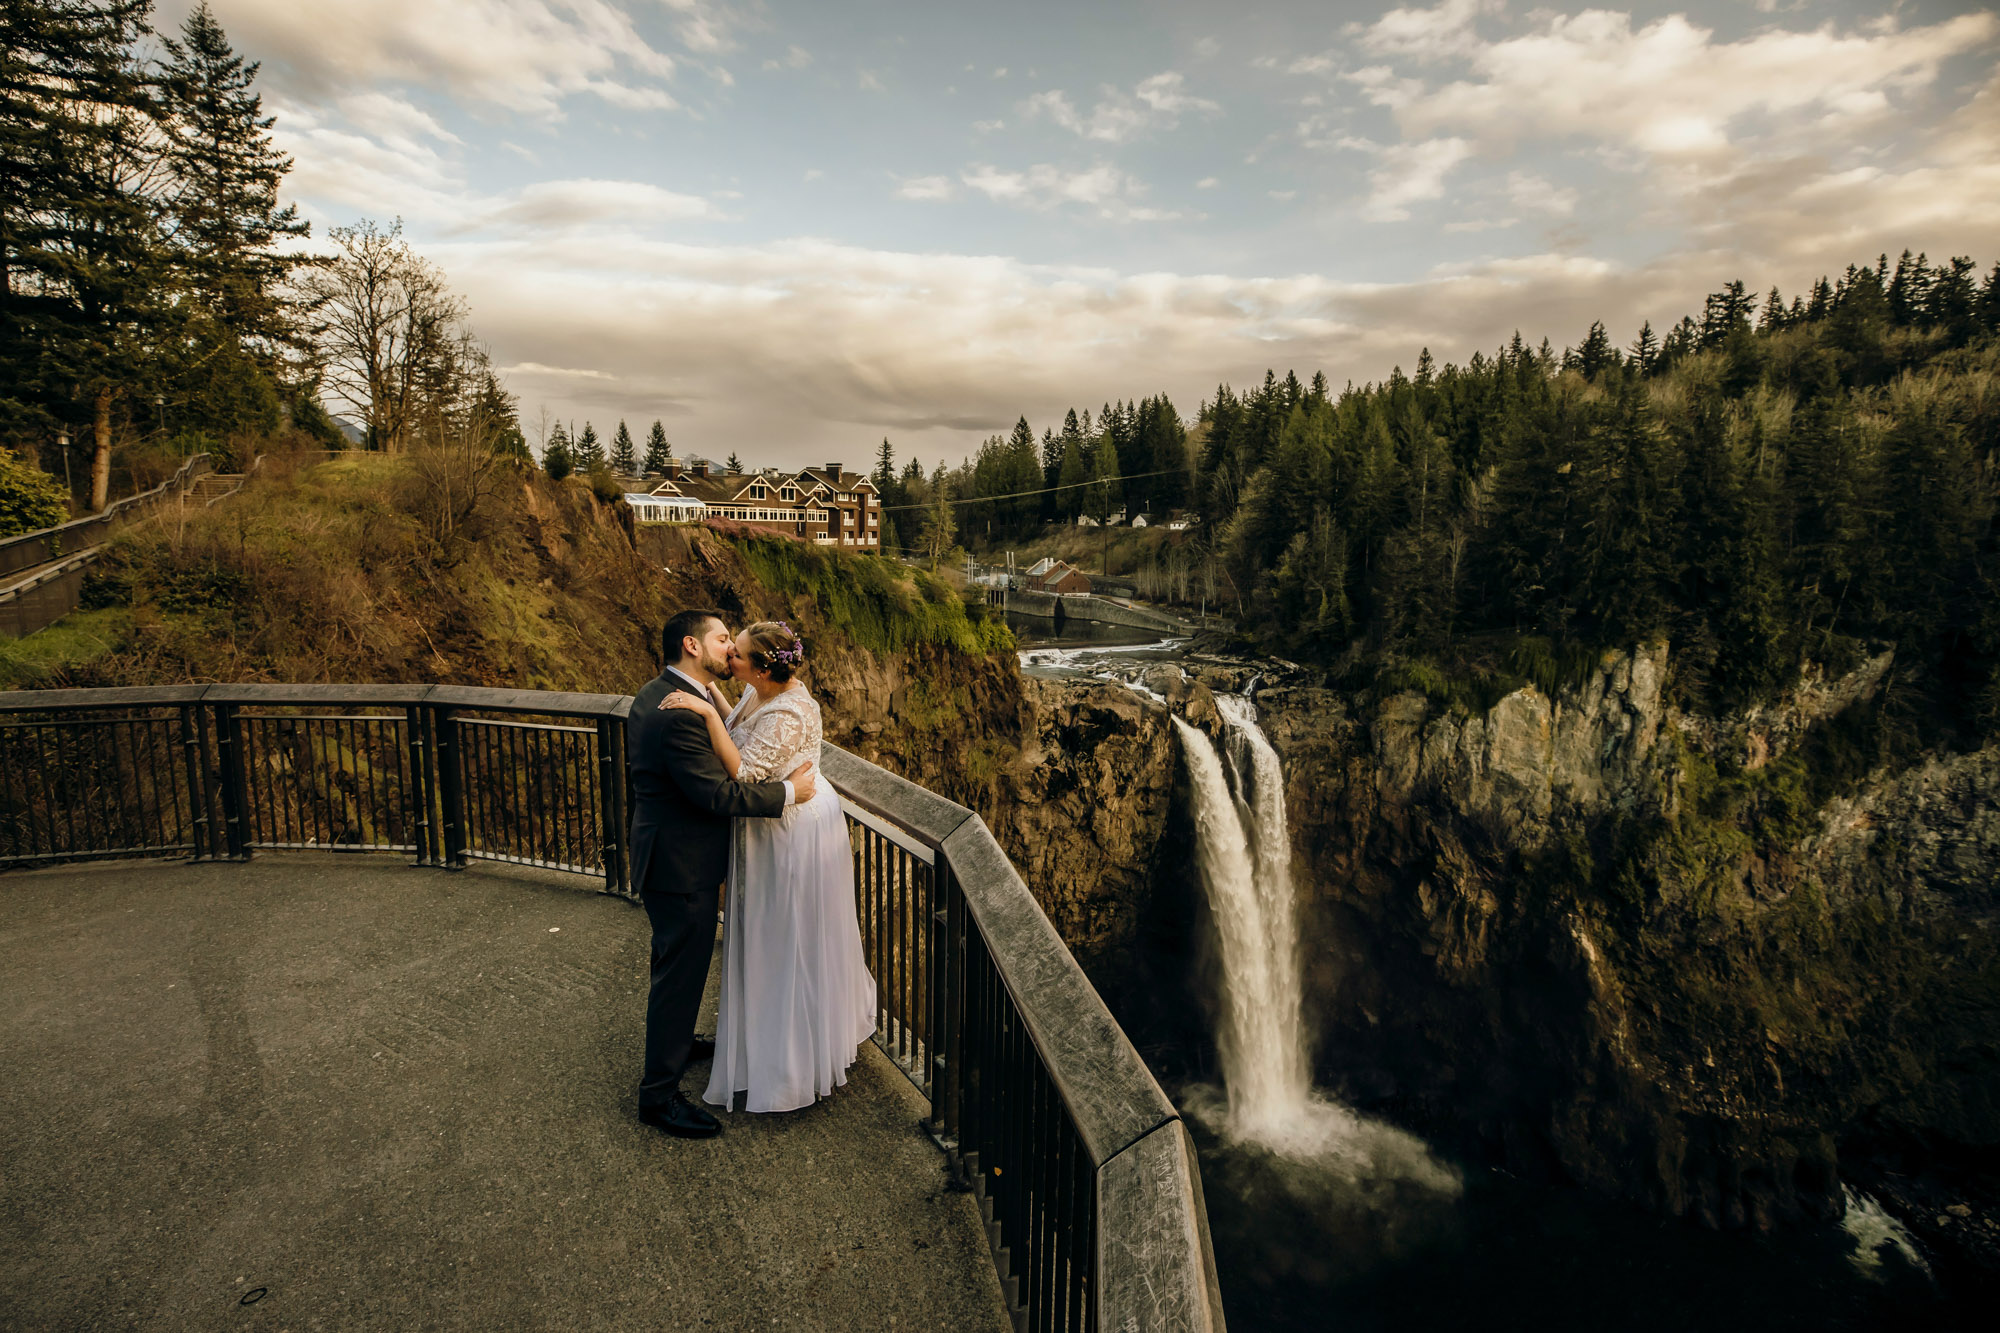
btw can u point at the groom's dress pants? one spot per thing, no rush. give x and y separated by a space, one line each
683 942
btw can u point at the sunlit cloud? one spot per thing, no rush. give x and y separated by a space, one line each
1155 103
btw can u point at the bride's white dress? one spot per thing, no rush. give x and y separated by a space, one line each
797 1000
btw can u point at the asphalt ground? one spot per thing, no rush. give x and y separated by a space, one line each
330 1091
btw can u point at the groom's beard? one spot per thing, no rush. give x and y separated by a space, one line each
716 667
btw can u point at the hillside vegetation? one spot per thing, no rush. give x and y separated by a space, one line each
335 570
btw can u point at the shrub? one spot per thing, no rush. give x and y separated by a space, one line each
30 499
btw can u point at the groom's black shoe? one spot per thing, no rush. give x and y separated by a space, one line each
681 1118
702 1049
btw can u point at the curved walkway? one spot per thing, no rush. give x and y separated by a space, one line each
401 1098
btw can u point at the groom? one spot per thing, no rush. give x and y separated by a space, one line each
683 801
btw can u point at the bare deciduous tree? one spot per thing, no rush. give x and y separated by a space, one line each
460 424
381 323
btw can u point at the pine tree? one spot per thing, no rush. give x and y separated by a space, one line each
1075 472
940 530
1168 454
1723 313
884 475
557 459
84 280
588 453
1102 497
1022 474
624 453
1773 318
1987 309
1645 349
226 214
1597 354
658 451
734 464
1909 290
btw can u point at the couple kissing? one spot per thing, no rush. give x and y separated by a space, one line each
731 794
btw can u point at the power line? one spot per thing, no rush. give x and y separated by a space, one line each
1046 490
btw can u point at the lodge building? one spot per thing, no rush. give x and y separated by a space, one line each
828 505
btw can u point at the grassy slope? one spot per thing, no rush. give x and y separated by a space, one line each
321 572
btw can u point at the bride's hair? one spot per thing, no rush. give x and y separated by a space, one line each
775 647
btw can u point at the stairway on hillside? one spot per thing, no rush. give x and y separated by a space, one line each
34 596
206 490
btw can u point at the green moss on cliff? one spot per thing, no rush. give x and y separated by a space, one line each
882 606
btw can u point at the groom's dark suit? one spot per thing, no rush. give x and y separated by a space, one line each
682 802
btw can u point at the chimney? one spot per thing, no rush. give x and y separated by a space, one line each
835 471
673 467
701 469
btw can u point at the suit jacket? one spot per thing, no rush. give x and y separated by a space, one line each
682 796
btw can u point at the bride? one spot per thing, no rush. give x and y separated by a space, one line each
797 1000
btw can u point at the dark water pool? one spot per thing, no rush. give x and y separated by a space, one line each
1036 632
1302 1249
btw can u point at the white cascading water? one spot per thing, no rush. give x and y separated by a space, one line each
1245 855
1244 850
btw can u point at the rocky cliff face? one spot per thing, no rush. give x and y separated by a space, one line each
1590 935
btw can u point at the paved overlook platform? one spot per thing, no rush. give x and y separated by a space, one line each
396 1098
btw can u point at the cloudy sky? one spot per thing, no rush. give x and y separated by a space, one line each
789 229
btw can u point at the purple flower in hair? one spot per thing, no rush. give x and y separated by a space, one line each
793 653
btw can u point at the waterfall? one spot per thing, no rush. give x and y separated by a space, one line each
1244 852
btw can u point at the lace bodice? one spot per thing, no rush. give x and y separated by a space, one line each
777 737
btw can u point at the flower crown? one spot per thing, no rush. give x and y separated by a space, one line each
791 655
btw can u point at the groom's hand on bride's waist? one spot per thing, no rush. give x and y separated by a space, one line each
802 783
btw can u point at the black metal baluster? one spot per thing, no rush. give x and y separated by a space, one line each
157 804
476 756
215 832
530 790
452 782
235 790
50 805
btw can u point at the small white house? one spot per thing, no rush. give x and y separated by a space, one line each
665 508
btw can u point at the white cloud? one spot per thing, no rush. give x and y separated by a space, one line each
869 81
1207 183
795 57
538 370
1157 102
789 348
525 55
1410 173
928 189
1104 190
561 204
1535 194
1426 34
702 25
1670 88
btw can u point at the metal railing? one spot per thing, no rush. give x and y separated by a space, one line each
58 557
29 549
1085 1176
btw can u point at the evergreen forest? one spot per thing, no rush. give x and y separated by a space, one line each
1767 486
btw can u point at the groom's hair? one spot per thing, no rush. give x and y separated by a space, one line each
683 626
